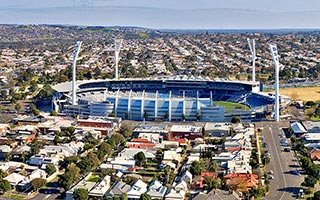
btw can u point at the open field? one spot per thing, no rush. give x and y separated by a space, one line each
302 93
231 105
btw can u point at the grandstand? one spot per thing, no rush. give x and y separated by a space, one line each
168 98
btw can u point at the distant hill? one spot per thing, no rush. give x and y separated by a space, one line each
162 18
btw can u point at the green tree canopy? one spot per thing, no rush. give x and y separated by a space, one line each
81 194
145 196
235 119
50 169
197 167
38 183
126 130
316 195
140 158
4 186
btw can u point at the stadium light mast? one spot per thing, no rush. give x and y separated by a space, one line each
74 65
117 48
275 56
252 47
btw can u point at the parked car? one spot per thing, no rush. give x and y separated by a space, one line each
270 176
287 149
296 173
270 172
265 145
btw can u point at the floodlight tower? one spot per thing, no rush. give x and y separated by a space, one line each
117 48
253 55
275 56
74 64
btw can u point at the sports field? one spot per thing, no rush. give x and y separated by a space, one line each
302 93
231 105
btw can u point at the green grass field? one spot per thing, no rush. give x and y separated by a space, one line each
231 105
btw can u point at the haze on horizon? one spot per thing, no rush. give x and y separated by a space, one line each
188 14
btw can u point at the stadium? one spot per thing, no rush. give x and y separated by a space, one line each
167 98
175 98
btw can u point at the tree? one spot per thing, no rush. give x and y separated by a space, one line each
81 194
4 186
238 184
70 130
211 182
84 165
34 109
103 149
50 169
112 114
17 107
53 113
124 196
126 130
214 165
197 167
145 196
115 140
38 183
140 158
166 116
235 119
71 174
35 147
4 94
316 195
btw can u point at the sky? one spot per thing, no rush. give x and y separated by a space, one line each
165 13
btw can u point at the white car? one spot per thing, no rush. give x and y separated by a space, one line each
270 176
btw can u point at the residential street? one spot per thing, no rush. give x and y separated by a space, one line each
285 184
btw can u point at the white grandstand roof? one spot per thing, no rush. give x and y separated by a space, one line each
67 86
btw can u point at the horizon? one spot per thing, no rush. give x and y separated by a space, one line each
179 14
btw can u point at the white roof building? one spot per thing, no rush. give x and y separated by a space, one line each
137 189
157 190
170 155
129 153
101 188
14 178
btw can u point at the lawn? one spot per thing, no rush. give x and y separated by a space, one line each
302 93
14 196
94 178
231 105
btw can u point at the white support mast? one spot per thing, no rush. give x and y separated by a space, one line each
74 64
117 48
252 47
275 56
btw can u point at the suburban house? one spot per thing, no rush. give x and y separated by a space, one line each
314 154
157 190
217 129
99 190
199 183
84 183
186 177
251 180
14 179
185 131
138 188
118 189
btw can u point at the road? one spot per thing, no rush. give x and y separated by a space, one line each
49 193
285 185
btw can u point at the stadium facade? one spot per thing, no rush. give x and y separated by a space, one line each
170 98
